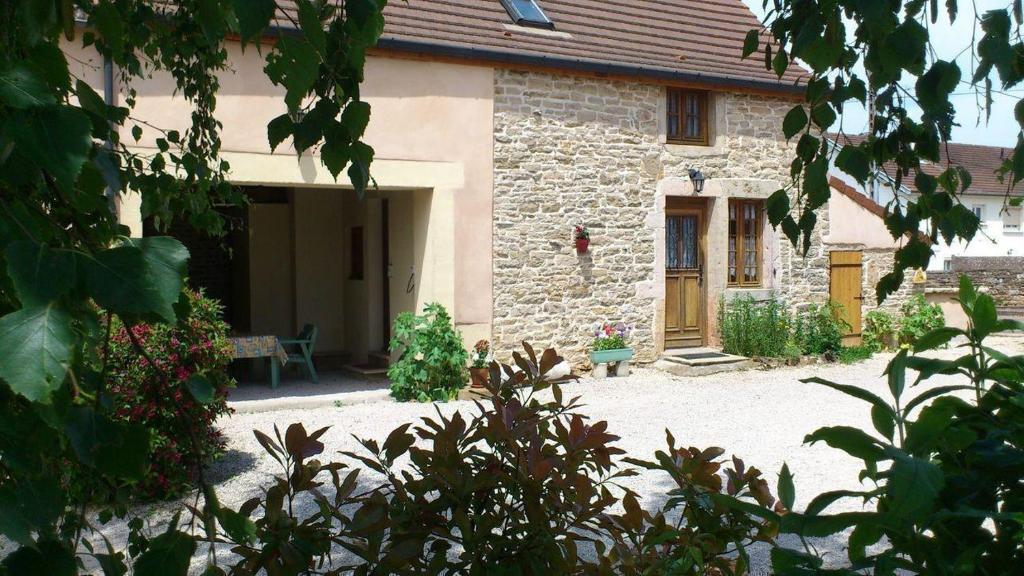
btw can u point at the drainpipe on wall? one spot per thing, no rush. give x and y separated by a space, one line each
108 99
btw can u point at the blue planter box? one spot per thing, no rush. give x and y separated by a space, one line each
606 356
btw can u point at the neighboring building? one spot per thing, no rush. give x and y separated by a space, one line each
1002 226
494 137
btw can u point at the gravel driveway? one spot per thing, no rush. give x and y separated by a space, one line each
761 416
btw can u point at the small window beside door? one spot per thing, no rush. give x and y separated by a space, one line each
745 225
687 117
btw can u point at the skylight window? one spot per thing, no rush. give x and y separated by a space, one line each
527 13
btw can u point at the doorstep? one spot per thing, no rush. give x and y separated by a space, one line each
700 362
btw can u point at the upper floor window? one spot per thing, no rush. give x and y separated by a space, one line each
745 242
1011 219
979 211
687 120
527 13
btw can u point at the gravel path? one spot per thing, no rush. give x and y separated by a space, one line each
760 416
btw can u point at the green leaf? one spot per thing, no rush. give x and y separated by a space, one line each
851 440
984 316
57 139
884 421
821 526
116 449
294 64
40 275
355 118
826 499
36 347
936 338
253 17
967 295
751 42
238 526
823 115
777 207
201 388
786 489
142 277
48 557
22 86
107 21
794 121
897 373
852 160
854 391
913 485
167 555
279 129
934 392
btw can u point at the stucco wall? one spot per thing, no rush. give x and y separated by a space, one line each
842 225
590 151
430 127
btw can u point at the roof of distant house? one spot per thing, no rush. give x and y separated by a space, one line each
981 161
685 41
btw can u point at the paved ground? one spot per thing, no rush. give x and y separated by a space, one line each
761 416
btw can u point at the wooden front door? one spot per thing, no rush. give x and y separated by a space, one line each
845 290
684 270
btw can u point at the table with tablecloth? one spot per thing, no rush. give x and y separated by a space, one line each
268 347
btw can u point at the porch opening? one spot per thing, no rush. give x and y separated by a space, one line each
319 256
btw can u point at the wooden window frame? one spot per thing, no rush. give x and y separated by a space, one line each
677 95
740 249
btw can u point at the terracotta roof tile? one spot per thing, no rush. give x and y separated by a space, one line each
697 41
981 161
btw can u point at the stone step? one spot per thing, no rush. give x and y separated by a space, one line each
700 362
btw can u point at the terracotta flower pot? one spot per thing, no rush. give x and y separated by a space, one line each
478 377
582 244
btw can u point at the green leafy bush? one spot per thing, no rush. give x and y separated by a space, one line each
526 485
853 354
944 467
178 391
818 330
754 329
431 365
918 318
879 331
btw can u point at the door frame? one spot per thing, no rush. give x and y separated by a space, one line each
681 206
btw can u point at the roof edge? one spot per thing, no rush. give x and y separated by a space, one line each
584 66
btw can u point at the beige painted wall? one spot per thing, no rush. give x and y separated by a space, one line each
319 270
431 128
851 223
270 269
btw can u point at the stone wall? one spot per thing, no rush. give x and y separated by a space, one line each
588 151
1002 277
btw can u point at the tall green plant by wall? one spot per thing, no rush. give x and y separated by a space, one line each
432 361
818 329
752 329
919 318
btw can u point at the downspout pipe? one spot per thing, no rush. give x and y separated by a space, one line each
108 99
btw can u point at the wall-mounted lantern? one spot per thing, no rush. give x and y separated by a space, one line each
697 179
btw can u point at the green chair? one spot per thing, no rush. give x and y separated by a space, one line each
300 349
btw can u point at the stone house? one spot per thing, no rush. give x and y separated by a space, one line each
499 126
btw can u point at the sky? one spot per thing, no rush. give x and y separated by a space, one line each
948 41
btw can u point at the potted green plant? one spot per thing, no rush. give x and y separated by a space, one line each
611 347
480 358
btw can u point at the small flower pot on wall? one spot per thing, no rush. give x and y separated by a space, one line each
478 377
582 245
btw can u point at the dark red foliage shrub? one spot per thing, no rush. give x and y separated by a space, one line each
158 393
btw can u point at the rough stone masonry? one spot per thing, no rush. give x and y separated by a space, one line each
589 151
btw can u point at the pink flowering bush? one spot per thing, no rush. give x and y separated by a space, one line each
157 394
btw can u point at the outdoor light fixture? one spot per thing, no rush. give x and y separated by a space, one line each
697 179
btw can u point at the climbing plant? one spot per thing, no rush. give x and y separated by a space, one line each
68 268
880 55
